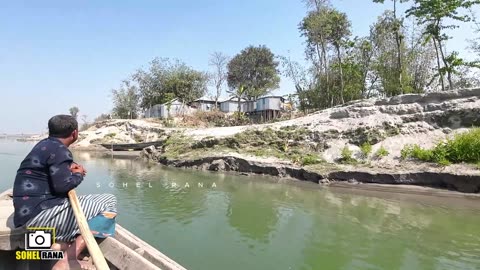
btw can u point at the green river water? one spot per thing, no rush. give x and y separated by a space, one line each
237 222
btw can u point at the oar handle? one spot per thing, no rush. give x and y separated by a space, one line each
92 246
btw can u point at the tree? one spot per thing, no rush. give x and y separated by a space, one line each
316 29
420 60
340 31
84 119
433 14
316 4
300 77
102 117
326 28
218 77
126 101
85 124
168 79
254 69
396 26
392 74
74 111
185 83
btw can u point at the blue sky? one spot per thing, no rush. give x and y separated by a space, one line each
57 54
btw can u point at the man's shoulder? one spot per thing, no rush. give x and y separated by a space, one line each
49 144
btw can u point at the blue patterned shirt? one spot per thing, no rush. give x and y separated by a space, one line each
43 180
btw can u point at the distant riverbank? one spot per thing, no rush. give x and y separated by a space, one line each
360 142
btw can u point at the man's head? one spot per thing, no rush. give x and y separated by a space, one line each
64 127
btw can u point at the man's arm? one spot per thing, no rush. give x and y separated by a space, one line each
62 178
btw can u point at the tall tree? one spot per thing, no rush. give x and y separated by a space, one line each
419 60
386 56
126 100
316 4
434 14
74 111
254 69
316 28
151 82
168 79
300 78
327 28
475 42
399 39
340 32
186 83
218 77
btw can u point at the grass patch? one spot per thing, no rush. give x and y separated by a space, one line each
311 160
347 156
464 147
366 149
176 145
381 152
286 144
111 135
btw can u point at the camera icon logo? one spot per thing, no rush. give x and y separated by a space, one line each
38 240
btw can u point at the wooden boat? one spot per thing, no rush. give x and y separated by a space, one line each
123 251
130 146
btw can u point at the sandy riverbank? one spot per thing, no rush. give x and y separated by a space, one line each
314 144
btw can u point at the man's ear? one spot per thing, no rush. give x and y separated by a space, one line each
75 135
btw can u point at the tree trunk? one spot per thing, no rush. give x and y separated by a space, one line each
399 48
438 64
219 92
342 83
325 65
239 107
445 63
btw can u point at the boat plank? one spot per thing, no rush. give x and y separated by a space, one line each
11 238
131 146
122 257
147 251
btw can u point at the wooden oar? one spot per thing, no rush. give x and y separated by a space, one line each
92 246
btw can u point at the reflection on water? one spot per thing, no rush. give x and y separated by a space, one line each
233 222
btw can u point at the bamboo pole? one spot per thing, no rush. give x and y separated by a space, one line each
92 246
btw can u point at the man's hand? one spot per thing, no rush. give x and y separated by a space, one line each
77 168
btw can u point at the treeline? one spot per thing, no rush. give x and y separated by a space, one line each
405 52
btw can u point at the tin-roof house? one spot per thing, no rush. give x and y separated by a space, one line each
230 105
203 104
269 107
270 103
170 109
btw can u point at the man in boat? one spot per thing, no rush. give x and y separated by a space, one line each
40 193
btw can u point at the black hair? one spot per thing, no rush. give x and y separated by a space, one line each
62 126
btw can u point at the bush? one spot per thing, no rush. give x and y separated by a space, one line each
205 119
260 152
85 126
346 156
366 149
464 147
381 152
311 160
102 117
